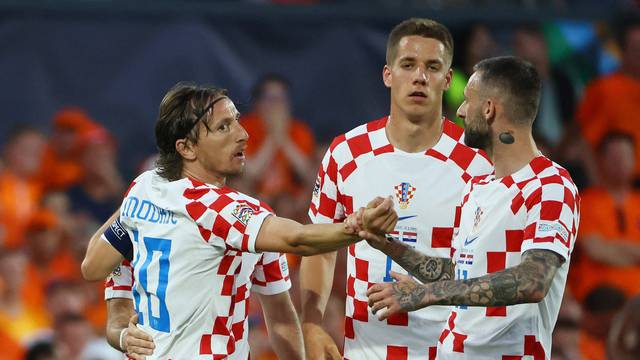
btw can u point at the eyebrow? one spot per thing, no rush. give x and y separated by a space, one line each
429 61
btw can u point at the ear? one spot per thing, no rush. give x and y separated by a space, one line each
186 149
489 110
386 76
447 79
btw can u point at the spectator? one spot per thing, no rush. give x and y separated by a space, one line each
20 191
624 336
61 167
609 245
72 335
20 321
41 351
600 307
611 102
101 188
281 148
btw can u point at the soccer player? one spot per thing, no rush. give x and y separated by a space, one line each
517 230
199 247
417 157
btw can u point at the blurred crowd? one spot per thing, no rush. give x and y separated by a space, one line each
57 188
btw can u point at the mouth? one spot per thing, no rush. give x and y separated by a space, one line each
239 155
418 95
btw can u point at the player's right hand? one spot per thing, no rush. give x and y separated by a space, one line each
318 344
379 217
137 343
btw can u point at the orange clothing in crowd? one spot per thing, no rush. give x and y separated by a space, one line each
599 216
280 176
591 348
19 200
59 173
611 103
11 349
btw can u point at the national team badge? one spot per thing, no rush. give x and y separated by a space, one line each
404 193
477 219
243 213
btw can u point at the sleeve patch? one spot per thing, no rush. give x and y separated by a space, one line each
243 213
551 228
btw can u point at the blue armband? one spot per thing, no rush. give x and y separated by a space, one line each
119 238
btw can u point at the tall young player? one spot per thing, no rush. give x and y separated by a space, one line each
517 230
197 245
418 158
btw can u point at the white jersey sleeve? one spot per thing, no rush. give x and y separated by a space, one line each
119 283
326 202
271 274
225 218
552 215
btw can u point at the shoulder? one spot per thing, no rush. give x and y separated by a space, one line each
551 182
475 162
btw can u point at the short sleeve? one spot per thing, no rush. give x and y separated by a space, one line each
271 274
225 217
325 204
119 283
552 217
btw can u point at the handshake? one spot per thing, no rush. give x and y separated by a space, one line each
373 222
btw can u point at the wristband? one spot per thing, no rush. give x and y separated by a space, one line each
122 334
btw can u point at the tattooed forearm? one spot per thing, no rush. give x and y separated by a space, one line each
424 268
409 294
525 283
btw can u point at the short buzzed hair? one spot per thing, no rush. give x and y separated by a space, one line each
420 27
517 81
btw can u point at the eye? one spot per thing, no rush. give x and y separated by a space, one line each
224 126
434 68
407 66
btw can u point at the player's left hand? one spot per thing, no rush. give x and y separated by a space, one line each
392 298
353 222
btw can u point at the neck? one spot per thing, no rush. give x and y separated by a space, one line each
204 176
509 158
414 135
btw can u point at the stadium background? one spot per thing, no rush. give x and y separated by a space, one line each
81 84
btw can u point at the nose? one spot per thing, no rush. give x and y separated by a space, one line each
461 113
420 76
244 135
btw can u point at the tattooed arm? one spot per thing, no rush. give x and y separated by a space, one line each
528 282
425 268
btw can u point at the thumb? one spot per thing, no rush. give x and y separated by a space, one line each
134 319
375 202
400 277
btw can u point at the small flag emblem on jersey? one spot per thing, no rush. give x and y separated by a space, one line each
243 213
404 193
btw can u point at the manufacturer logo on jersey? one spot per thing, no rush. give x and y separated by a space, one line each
404 193
468 241
477 219
243 213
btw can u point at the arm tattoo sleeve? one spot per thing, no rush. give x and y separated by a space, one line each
424 268
526 283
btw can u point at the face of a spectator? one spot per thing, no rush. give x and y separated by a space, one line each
631 51
23 154
418 76
618 161
221 151
274 96
12 269
477 133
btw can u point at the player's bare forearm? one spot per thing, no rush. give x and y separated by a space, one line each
119 311
316 281
528 282
425 268
283 325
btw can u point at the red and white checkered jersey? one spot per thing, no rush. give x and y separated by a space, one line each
536 207
426 186
194 264
119 282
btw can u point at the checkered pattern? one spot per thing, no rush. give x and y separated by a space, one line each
535 208
213 266
119 283
225 216
360 165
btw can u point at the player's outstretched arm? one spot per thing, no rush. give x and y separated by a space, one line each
283 325
284 235
101 257
527 282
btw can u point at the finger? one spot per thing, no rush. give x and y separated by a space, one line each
379 305
142 344
375 297
389 223
374 289
139 334
134 319
375 202
138 351
333 353
400 277
359 217
382 208
389 311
